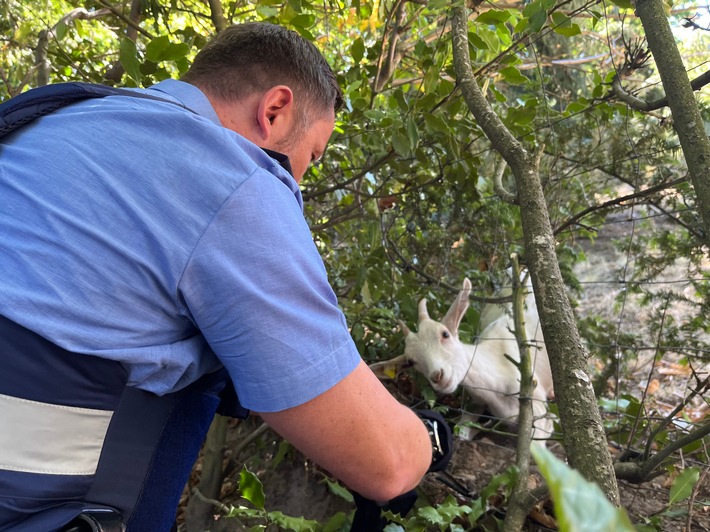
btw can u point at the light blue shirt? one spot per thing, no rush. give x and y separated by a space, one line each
142 232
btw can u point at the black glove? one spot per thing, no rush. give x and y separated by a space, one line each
368 514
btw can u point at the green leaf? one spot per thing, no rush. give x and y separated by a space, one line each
401 101
493 16
267 11
284 448
572 108
154 49
365 294
413 133
338 489
305 33
476 41
683 485
182 65
60 30
80 28
513 75
537 21
400 143
431 79
357 50
431 515
128 55
435 123
579 505
568 31
536 12
607 405
499 96
490 37
175 51
625 4
303 21
298 524
336 523
522 25
251 488
564 26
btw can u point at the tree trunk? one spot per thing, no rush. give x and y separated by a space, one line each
199 511
686 117
116 71
217 15
583 433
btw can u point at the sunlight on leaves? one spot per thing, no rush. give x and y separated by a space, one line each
251 488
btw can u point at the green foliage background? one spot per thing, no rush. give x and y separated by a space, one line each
403 205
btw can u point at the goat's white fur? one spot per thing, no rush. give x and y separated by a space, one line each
482 367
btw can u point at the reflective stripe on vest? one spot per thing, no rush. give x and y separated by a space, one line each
50 439
74 436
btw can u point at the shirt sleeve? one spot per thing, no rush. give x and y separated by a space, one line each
257 289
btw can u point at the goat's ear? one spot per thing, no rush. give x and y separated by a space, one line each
458 308
403 327
423 312
388 369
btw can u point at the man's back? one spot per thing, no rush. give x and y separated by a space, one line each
146 234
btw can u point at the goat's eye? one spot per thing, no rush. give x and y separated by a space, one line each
445 334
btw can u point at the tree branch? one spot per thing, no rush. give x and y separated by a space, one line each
617 201
642 105
505 195
128 21
638 473
41 50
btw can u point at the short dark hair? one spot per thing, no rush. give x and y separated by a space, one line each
255 56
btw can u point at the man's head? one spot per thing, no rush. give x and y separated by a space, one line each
272 86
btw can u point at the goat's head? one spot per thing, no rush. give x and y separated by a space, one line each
435 349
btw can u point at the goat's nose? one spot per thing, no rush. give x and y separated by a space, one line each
436 376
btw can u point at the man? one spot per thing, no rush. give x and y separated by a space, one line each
150 249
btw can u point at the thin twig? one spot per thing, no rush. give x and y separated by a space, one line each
220 506
691 501
700 388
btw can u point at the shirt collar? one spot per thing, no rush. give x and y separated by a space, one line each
195 100
189 96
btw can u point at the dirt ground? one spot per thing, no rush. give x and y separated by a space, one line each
297 488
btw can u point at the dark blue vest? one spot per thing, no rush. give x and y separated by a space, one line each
150 446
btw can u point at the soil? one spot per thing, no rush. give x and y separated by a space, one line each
297 487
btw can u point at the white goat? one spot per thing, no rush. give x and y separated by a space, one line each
482 367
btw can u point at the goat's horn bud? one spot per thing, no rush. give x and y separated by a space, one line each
403 327
423 312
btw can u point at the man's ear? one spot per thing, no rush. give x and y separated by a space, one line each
275 113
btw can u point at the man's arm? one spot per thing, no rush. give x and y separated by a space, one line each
359 433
